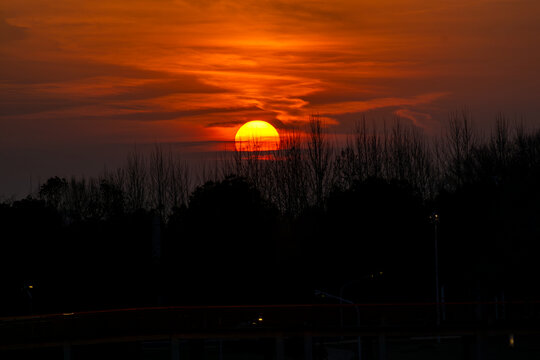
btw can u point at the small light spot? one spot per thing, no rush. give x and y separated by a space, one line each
511 341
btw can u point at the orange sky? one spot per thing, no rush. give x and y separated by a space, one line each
80 77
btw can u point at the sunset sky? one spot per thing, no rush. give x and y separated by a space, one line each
81 82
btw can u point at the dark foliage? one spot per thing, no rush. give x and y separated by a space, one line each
230 252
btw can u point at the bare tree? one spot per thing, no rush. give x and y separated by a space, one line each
460 142
289 174
136 181
179 182
159 180
500 142
319 160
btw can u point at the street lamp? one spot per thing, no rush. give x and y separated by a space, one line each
341 301
434 218
28 289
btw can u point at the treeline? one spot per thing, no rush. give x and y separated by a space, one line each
310 164
158 182
319 213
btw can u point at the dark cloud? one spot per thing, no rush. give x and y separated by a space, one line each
18 71
180 84
247 114
29 98
302 12
15 101
324 97
160 115
347 122
226 124
196 145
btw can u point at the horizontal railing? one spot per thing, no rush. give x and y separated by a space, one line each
267 320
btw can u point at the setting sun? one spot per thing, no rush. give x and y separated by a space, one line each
257 136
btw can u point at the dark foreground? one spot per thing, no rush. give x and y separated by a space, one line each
473 330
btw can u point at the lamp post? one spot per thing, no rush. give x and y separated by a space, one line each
29 288
434 218
341 301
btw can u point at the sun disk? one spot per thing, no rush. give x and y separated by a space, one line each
257 136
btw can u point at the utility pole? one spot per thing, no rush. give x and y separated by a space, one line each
341 301
435 220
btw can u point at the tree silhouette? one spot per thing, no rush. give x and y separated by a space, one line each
53 191
310 215
226 239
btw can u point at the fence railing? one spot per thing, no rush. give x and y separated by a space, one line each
261 321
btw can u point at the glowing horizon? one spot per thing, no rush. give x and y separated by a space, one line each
81 75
